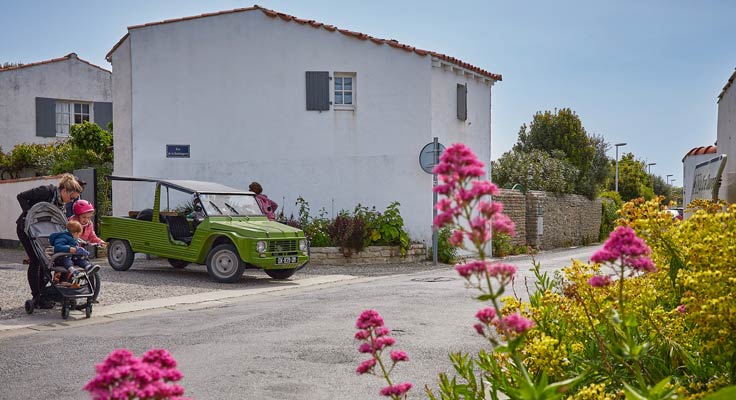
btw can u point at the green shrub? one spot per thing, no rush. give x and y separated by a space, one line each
611 203
501 243
446 253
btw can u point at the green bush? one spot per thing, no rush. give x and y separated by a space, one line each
501 243
611 203
446 253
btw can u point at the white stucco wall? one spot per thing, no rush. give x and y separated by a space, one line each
10 209
688 169
67 80
233 87
727 143
122 121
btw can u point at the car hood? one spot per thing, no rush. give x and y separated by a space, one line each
257 228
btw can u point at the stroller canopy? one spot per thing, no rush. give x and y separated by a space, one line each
43 219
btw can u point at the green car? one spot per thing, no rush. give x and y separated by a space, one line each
204 223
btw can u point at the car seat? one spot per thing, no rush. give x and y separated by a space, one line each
179 228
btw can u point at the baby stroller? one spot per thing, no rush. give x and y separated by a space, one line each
42 220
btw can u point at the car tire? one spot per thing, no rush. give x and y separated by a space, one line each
280 273
178 264
224 264
120 255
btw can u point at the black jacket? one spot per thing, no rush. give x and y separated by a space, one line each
32 196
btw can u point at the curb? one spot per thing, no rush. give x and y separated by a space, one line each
212 299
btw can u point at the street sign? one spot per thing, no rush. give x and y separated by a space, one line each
177 151
707 179
430 155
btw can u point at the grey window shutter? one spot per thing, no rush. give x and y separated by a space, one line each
318 91
45 117
462 102
103 114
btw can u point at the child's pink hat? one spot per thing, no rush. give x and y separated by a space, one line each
82 207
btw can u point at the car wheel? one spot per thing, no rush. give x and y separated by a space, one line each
224 264
280 273
119 255
178 264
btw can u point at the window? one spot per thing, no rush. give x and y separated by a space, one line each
344 90
68 114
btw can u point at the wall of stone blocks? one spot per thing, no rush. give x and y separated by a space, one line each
567 219
514 205
369 255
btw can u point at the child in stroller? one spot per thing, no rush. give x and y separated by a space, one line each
43 220
68 242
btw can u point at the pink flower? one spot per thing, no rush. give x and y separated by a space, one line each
382 331
362 335
501 271
517 323
599 281
396 390
382 342
398 355
503 224
365 348
456 239
624 245
479 329
369 319
468 269
681 309
486 315
490 209
365 366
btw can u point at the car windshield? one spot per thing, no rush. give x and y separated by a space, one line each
230 204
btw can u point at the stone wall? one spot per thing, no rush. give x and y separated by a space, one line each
514 205
567 220
370 255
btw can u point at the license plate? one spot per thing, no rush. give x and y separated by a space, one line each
286 260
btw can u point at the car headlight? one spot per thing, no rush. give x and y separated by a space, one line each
303 245
261 246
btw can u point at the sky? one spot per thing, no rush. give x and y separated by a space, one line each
646 73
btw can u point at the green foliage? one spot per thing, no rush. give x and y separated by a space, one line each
633 180
562 131
501 243
611 203
535 170
352 231
446 253
93 140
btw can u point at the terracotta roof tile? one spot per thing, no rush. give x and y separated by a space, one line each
330 28
53 60
702 150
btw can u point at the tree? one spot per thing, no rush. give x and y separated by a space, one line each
535 170
563 131
633 180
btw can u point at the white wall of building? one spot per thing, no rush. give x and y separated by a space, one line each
10 209
122 193
233 87
727 142
69 79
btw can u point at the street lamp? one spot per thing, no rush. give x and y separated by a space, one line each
617 146
649 167
668 178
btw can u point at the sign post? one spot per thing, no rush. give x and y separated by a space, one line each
428 158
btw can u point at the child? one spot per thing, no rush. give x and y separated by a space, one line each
83 213
66 242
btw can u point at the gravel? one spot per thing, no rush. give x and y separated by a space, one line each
152 279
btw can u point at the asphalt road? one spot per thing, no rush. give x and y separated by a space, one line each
291 344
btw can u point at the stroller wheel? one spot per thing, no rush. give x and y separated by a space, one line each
29 306
88 310
65 310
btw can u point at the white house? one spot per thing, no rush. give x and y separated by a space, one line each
39 101
727 139
306 109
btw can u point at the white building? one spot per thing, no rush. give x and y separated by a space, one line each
693 158
727 139
306 109
39 101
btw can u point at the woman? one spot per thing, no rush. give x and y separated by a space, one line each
67 190
267 205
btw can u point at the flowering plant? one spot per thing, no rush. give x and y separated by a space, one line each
375 338
124 376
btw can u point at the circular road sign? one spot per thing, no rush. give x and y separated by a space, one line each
429 156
